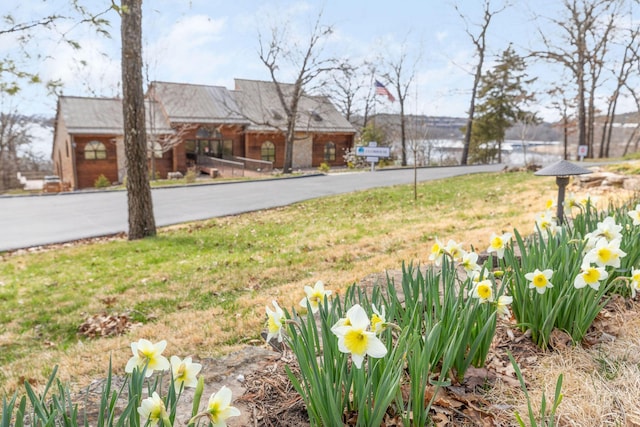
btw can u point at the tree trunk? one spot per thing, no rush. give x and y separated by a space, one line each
610 129
582 119
141 219
403 136
467 133
565 136
290 137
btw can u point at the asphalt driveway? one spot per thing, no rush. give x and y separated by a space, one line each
27 221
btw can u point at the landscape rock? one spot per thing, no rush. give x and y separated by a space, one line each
608 180
631 184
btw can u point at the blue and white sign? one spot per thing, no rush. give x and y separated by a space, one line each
373 151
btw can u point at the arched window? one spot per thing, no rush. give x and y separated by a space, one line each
95 150
268 151
329 152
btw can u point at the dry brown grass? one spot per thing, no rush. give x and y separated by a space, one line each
601 385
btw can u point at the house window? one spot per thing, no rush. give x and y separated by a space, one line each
227 148
209 143
268 151
329 152
95 150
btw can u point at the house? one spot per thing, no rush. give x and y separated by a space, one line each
191 125
88 141
322 134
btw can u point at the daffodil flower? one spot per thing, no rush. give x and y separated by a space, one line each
315 296
608 229
219 408
454 250
540 280
635 281
549 204
275 320
184 372
588 200
635 215
590 276
378 320
498 244
147 354
476 276
357 339
470 262
570 202
605 253
502 305
546 222
153 409
437 252
483 291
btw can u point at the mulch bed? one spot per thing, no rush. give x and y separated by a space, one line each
274 402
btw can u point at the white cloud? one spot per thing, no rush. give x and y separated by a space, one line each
190 50
92 70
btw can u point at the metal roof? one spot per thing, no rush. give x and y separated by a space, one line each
260 103
254 104
103 116
190 103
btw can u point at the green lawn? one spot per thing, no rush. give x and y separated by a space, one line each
233 264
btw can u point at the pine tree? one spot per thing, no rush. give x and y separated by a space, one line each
503 97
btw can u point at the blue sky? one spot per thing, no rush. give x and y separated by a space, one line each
215 41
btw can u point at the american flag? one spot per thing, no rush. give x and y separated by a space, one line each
381 90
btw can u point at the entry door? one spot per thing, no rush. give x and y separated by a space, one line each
302 153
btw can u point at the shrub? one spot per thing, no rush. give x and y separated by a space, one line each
101 182
324 167
190 176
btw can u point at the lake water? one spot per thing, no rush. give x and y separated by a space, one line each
447 152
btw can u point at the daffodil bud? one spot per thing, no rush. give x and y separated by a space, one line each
197 396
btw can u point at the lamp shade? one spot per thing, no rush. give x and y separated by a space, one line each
562 168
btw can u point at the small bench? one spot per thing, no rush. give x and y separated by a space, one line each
212 172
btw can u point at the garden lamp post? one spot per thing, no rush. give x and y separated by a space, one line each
562 170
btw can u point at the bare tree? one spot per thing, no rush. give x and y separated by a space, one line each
479 41
581 48
526 121
350 88
308 63
565 106
633 138
626 66
13 135
141 219
401 78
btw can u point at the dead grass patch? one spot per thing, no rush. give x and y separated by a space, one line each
601 382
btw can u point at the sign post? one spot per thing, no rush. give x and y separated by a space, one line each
583 150
372 153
